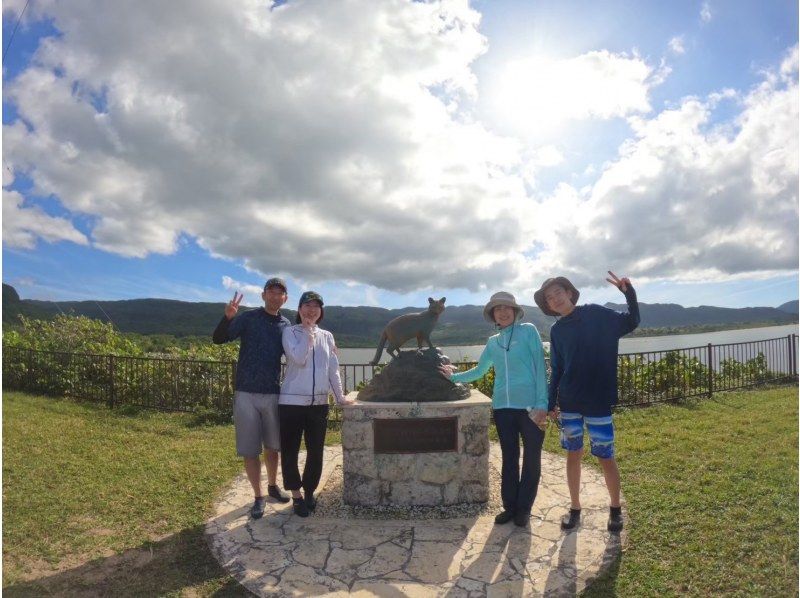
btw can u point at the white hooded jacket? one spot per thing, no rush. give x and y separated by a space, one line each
312 367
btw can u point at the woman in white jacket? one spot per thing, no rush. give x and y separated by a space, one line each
312 371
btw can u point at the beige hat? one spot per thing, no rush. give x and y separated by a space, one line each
501 298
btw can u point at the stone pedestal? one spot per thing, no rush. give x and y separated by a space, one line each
421 478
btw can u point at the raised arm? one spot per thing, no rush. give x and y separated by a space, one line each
626 322
229 327
297 344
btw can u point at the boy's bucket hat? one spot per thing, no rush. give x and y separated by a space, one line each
538 296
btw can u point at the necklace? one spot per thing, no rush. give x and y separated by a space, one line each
510 336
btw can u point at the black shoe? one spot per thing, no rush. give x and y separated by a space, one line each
257 510
572 520
311 501
615 520
274 492
503 517
300 508
521 519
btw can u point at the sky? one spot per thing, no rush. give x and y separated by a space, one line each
381 152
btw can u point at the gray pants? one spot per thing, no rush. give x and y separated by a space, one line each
257 423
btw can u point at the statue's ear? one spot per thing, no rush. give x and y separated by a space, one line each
442 300
430 300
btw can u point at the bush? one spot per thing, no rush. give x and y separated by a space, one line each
70 334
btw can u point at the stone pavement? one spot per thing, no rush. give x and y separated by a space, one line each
285 555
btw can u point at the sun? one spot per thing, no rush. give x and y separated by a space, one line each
536 95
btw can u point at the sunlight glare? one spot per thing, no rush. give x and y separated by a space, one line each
537 95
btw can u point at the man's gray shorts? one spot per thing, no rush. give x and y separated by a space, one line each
256 420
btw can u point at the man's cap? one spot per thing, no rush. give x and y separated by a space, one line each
310 296
276 282
538 296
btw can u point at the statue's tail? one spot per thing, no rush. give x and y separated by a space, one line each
379 352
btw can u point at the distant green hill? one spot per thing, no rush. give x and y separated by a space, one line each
361 326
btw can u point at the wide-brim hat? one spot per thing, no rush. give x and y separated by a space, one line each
538 296
501 298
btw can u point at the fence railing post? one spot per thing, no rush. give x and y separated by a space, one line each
111 389
29 386
710 370
792 355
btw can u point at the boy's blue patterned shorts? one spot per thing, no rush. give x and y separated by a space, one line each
601 434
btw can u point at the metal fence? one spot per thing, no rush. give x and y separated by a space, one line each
158 383
194 385
659 376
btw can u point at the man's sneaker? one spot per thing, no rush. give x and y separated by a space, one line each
504 517
572 520
615 519
300 508
311 501
274 492
257 510
521 519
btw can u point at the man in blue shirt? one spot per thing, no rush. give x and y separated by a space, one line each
584 343
258 385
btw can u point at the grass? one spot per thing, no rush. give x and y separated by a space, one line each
109 500
711 488
115 501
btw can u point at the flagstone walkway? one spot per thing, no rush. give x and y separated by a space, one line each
343 553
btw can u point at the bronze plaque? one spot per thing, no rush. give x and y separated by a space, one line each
416 435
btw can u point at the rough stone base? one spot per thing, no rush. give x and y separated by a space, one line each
285 555
422 479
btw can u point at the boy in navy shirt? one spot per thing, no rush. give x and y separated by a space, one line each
584 343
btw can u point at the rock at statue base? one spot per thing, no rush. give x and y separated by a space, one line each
414 376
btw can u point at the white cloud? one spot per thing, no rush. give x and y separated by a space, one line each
676 45
316 138
13 8
334 142
537 159
546 156
8 176
705 12
24 281
252 292
543 93
689 200
23 225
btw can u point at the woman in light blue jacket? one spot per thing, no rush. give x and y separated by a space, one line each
519 401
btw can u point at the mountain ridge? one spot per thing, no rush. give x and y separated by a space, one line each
362 325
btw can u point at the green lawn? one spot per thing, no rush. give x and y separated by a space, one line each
711 489
82 483
115 501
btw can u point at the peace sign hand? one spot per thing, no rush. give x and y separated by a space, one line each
233 305
621 283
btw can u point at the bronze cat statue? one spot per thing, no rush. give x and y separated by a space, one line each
408 326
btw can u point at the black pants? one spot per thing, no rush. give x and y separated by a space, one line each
518 493
299 421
